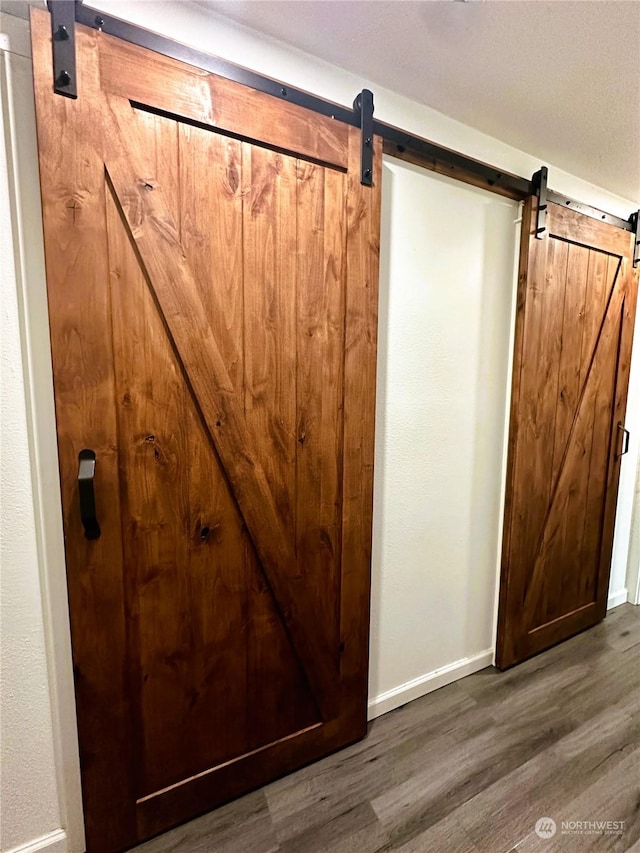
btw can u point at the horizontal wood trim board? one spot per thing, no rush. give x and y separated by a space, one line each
260 143
465 175
213 102
331 115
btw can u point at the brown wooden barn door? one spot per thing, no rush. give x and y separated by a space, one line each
212 266
574 327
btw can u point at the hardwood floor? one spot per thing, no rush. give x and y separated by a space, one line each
467 769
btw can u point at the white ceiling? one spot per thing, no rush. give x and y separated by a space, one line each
559 79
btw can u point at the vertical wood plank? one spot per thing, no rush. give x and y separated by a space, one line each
320 337
73 206
571 366
560 586
211 203
361 336
281 701
269 239
597 292
538 399
508 592
210 207
270 294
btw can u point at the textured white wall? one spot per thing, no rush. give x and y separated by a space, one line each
446 295
633 566
408 583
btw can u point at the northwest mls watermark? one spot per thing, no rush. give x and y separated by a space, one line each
546 827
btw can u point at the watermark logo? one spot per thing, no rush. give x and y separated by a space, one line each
593 827
545 827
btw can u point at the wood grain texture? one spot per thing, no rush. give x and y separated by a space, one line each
212 213
186 92
360 348
469 768
73 208
319 331
569 225
576 301
153 230
233 378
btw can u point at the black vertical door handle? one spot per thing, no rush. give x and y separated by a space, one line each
86 473
625 440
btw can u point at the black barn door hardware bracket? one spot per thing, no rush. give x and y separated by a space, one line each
63 32
363 105
539 187
634 221
86 474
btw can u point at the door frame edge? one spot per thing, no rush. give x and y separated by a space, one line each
36 368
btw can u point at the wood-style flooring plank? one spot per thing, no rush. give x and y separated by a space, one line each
609 808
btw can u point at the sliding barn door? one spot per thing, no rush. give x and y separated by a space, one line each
574 326
212 264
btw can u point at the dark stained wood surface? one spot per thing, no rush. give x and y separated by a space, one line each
456 172
220 625
574 324
467 769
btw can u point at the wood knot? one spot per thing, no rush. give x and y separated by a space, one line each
233 179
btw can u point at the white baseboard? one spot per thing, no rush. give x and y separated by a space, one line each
616 598
427 683
52 842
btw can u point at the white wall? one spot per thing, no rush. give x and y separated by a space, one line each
633 566
409 585
446 296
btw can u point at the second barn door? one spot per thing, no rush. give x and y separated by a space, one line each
212 278
574 327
